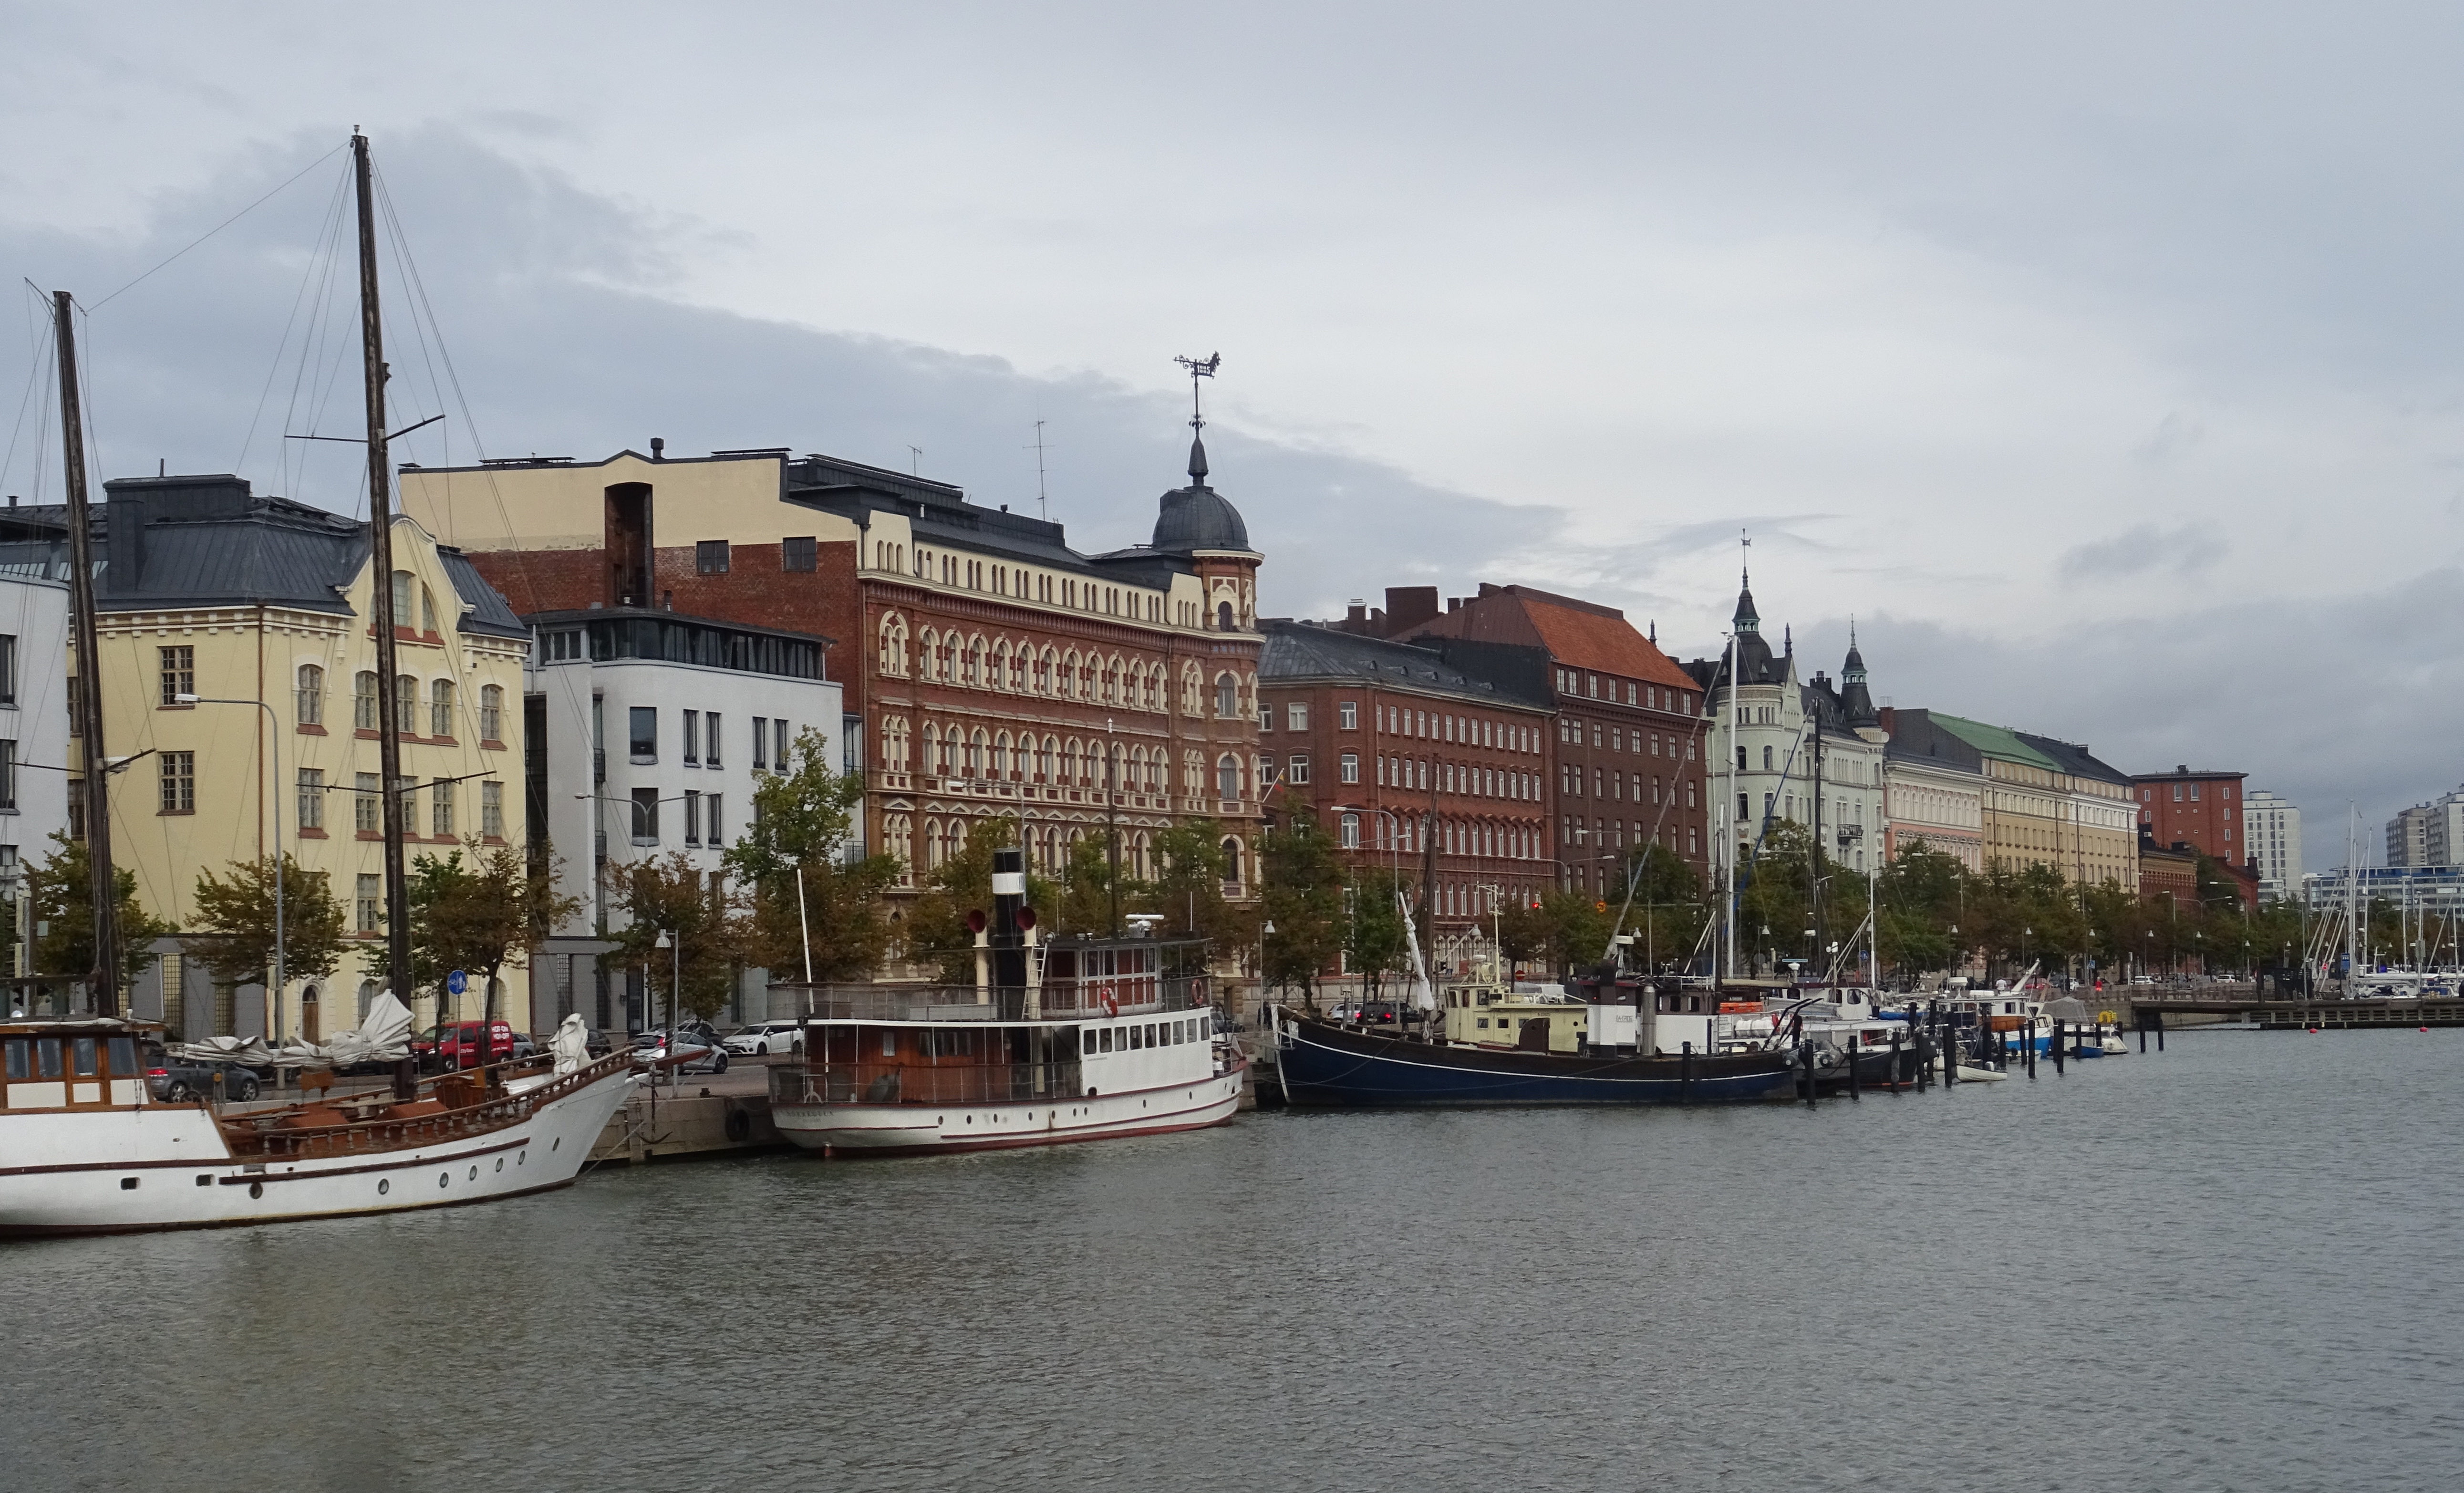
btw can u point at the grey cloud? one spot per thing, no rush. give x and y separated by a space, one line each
2145 550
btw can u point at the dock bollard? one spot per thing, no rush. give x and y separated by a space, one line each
2060 1028
1856 1053
2028 1046
1895 1060
1686 1072
1804 1050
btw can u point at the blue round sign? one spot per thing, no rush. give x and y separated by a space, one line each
455 982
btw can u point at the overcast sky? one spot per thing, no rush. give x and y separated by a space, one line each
2103 363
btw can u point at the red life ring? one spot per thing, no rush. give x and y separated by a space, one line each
1104 999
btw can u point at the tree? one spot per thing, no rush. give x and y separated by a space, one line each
61 888
803 816
477 916
1374 943
1302 898
1667 911
704 918
1522 931
1579 930
239 913
936 929
1188 888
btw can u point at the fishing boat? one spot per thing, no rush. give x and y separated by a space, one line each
90 1150
1078 1038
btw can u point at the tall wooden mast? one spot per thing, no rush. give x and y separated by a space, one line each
102 981
381 589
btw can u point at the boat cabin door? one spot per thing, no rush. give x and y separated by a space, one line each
1533 1035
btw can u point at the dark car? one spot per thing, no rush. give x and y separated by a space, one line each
179 1080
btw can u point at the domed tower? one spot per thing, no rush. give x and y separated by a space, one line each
1854 698
1200 526
1753 653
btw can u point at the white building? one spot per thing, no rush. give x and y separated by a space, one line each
33 734
2271 828
1795 745
646 732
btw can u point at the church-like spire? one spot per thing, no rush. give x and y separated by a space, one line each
1199 368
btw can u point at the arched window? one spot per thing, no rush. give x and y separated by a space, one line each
1005 667
1231 848
1138 857
312 694
1045 755
931 745
428 611
1075 770
1193 774
1223 616
976 745
893 644
1001 755
1227 696
1044 672
363 700
933 850
1767 760
440 707
492 713
1191 690
1112 681
1227 777
974 662
1150 686
406 705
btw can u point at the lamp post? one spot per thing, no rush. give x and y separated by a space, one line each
274 807
675 984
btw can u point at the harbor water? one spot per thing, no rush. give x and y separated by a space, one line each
2229 1267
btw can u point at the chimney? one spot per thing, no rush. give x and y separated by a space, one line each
1407 606
658 447
1486 589
1454 604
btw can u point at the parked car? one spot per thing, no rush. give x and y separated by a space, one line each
693 1053
765 1037
455 1047
1373 1013
179 1080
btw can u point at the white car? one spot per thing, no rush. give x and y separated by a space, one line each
765 1037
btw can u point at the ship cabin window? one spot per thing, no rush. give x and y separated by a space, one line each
1086 1035
889 1043
1104 1041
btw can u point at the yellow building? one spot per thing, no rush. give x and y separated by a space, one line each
2050 803
210 591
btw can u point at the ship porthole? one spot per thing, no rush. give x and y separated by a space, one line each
501 1163
557 1144
443 1178
256 1189
383 1186
475 1173
520 1156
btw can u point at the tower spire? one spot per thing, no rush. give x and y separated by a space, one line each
1199 368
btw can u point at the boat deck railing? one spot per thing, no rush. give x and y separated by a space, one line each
250 1141
889 1083
1059 1000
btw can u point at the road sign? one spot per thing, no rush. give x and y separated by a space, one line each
455 982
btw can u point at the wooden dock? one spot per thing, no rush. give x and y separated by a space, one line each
2282 1016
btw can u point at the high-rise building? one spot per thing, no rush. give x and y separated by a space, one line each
2270 826
2407 837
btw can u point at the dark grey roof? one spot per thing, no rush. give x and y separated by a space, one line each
1917 738
177 541
1298 653
2075 758
570 616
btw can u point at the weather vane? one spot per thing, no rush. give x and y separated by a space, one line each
1199 368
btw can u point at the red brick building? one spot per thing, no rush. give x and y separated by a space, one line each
2201 809
1627 760
989 668
1392 749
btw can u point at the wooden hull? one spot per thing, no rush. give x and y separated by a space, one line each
918 1129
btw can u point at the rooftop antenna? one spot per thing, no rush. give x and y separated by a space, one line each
915 461
1744 563
1041 512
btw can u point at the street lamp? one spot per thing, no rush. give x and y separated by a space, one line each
676 987
273 806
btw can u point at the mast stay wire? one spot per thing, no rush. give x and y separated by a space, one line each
39 343
307 274
216 228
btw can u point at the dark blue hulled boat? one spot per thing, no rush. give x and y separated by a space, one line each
1320 1064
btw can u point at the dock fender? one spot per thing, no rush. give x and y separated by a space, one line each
739 1124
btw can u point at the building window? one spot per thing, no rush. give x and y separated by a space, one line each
368 804
1351 768
1347 714
492 713
364 701
440 707
1295 714
779 742
1227 698
370 904
179 673
646 816
492 810
645 726
308 702
709 814
312 798
710 738
401 600
8 669
689 738
76 808
2194 793
179 782
406 705
1227 778
799 554
440 808
1297 775
1352 831
693 817
710 557
406 791
762 744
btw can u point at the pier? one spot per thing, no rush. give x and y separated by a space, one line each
2278 1016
